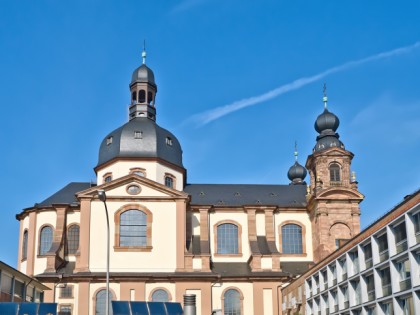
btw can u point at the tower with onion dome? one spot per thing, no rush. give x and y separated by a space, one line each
333 196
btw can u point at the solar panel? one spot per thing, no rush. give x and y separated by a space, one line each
47 309
174 308
157 308
28 309
8 308
121 307
139 308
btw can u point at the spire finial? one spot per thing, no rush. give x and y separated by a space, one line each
296 151
325 98
143 54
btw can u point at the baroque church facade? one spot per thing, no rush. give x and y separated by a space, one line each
234 246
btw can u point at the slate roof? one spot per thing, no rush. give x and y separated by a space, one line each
241 194
296 267
66 195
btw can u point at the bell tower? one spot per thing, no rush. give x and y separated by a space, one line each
333 196
143 92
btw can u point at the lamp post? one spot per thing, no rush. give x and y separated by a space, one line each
102 197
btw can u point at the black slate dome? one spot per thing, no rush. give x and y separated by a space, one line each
328 142
143 74
297 173
326 121
141 138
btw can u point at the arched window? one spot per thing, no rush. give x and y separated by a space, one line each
227 239
45 240
133 228
232 302
142 96
335 172
150 98
160 295
73 233
25 245
169 181
291 239
100 305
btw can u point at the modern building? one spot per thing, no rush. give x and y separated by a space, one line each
15 286
376 272
231 245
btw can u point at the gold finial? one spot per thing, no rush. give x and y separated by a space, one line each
296 151
325 98
308 190
143 54
353 176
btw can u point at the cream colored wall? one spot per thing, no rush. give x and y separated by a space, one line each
303 218
25 226
260 222
42 218
170 287
74 301
195 221
154 171
266 263
245 287
73 217
238 217
197 264
268 301
161 258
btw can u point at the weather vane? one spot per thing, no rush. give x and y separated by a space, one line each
143 54
296 151
325 98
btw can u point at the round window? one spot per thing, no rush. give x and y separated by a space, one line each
133 189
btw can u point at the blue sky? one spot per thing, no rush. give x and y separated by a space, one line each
65 68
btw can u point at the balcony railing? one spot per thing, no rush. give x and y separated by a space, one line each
383 255
336 183
405 284
346 304
386 290
371 295
368 263
401 246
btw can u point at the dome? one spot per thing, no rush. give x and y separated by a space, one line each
296 173
141 138
326 121
328 142
143 74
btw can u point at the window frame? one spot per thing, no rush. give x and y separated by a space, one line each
149 221
241 298
160 289
134 170
76 253
25 242
95 294
105 176
280 232
215 231
337 171
169 175
39 239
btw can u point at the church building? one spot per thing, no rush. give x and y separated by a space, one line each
233 245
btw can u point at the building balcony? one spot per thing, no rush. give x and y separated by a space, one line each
346 304
334 281
384 255
368 263
327 311
405 284
401 246
418 237
371 295
386 290
344 276
335 308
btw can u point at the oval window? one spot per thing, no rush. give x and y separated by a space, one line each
133 189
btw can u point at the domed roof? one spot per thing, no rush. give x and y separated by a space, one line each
326 121
296 173
328 142
143 74
141 138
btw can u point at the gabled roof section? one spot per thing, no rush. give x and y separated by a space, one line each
130 178
247 195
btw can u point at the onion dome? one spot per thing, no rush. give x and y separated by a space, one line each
143 74
297 172
326 125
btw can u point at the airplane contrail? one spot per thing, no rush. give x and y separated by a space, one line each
208 116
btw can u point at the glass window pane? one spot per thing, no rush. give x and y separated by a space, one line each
45 240
160 296
232 303
25 245
73 239
101 303
133 228
292 239
227 239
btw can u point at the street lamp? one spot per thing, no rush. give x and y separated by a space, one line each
102 197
